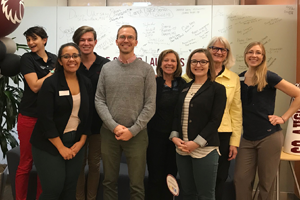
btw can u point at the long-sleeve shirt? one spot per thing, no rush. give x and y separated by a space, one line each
126 95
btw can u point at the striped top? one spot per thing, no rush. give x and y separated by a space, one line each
200 152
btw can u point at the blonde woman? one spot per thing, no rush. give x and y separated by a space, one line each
262 140
231 125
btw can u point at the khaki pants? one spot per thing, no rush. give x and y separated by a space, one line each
135 153
93 155
263 155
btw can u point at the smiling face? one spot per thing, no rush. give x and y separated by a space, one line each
36 43
87 43
70 59
198 66
218 56
254 56
169 64
126 40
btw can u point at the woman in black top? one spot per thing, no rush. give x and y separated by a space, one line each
161 158
262 139
65 105
36 66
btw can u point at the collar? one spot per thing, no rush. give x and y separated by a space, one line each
130 60
37 57
97 61
225 73
222 70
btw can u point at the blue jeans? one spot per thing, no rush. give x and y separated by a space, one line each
198 176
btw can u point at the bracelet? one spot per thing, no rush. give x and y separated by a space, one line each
52 71
283 120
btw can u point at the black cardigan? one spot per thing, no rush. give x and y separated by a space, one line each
206 110
54 109
159 122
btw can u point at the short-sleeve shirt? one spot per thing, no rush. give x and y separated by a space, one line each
257 106
32 63
93 74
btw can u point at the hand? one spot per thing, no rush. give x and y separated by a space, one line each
76 147
66 153
124 135
232 152
119 130
180 144
191 146
274 119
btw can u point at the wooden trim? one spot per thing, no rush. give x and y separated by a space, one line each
297 164
298 43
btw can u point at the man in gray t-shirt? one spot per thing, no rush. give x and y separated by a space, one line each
125 101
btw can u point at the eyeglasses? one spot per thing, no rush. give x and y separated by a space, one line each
254 53
216 49
123 37
68 57
201 62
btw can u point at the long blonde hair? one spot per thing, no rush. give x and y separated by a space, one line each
260 74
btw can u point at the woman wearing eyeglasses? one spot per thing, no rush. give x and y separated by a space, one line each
64 106
161 155
36 66
262 140
231 125
198 115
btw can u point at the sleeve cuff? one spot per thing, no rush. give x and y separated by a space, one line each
111 125
201 141
173 134
134 130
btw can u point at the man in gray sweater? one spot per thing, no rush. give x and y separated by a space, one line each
125 101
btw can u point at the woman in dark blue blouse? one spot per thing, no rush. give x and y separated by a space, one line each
161 159
262 140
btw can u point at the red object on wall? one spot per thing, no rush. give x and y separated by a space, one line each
11 15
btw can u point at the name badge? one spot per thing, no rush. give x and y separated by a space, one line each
184 90
64 93
242 78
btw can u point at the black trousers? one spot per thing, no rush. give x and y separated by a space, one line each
58 176
223 163
161 161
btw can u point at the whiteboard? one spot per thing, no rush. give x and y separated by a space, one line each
274 26
180 28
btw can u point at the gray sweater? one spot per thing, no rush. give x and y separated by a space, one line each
126 95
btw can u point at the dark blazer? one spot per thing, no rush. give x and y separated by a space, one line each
55 105
205 113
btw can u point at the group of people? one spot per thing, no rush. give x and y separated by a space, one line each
78 106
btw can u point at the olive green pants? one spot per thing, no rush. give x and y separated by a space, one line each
135 153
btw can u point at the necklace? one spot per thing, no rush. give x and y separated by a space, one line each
194 88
